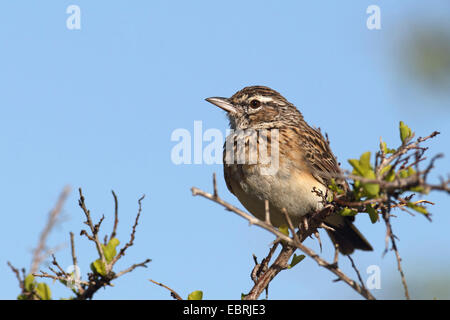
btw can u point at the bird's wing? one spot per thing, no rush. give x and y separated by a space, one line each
318 155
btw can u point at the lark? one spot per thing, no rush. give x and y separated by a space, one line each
305 165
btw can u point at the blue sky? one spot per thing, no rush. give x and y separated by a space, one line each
95 108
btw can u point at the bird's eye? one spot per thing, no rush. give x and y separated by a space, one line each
255 104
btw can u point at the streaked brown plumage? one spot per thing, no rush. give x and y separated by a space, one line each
305 162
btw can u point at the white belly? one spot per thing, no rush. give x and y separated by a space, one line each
292 192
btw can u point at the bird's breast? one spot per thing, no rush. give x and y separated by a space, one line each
289 188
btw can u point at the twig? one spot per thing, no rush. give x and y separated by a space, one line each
390 235
75 262
215 185
357 271
172 292
17 273
133 232
72 245
116 215
403 149
131 268
39 254
55 263
94 230
56 277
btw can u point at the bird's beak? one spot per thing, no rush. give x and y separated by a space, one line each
223 103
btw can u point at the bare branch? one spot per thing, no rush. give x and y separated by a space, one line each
94 229
357 271
390 235
59 278
116 215
172 292
133 232
17 273
131 268
215 185
40 253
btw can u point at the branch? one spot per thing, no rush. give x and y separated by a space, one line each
44 274
40 253
131 268
133 232
288 249
172 292
116 215
403 149
94 229
390 235
17 273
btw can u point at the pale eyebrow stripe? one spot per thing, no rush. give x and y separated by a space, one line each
264 98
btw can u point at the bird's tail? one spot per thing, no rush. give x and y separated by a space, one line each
346 235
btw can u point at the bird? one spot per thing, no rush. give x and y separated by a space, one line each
305 169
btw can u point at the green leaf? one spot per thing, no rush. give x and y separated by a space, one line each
418 208
29 283
296 259
365 160
43 291
385 149
369 173
195 295
98 267
348 212
110 249
371 189
405 132
362 166
373 214
284 229
357 168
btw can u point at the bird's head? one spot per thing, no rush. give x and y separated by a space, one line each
258 107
